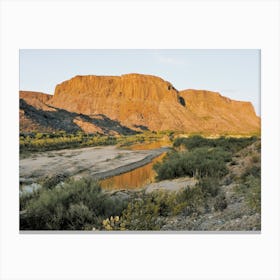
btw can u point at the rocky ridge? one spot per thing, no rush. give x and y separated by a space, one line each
136 102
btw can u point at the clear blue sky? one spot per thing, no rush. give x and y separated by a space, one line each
233 73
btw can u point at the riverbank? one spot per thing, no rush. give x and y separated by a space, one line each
96 162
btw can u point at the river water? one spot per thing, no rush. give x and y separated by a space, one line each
136 178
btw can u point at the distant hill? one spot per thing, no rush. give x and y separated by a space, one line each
133 102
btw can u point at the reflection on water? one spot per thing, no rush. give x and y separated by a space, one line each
134 179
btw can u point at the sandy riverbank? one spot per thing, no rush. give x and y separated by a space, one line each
97 162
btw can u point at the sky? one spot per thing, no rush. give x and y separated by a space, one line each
233 73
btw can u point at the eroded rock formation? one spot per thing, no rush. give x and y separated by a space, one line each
138 101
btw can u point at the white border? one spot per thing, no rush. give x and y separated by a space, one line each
154 24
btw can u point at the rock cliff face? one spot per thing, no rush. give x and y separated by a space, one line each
38 100
134 100
217 113
36 114
148 102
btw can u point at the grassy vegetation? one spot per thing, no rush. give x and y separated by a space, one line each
126 141
83 205
79 205
250 187
38 142
149 211
199 162
228 144
203 158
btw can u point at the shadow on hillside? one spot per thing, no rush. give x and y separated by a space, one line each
64 120
142 127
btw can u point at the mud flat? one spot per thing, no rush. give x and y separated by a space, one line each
97 162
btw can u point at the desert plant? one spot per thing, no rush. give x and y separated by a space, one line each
200 162
74 205
229 144
141 214
210 186
50 182
220 202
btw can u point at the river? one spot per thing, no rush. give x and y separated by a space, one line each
125 168
136 178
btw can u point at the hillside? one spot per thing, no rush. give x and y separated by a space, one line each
133 102
36 114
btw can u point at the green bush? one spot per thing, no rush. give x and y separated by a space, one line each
229 144
210 186
143 214
193 200
38 142
26 197
74 206
200 162
192 142
146 212
250 188
61 140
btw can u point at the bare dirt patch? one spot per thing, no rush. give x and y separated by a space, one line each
172 185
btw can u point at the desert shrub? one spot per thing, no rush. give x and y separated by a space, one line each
50 182
253 197
151 211
60 140
250 184
34 142
220 202
145 137
250 188
200 162
145 212
79 216
192 142
254 171
75 205
229 144
26 197
193 201
210 186
142 214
